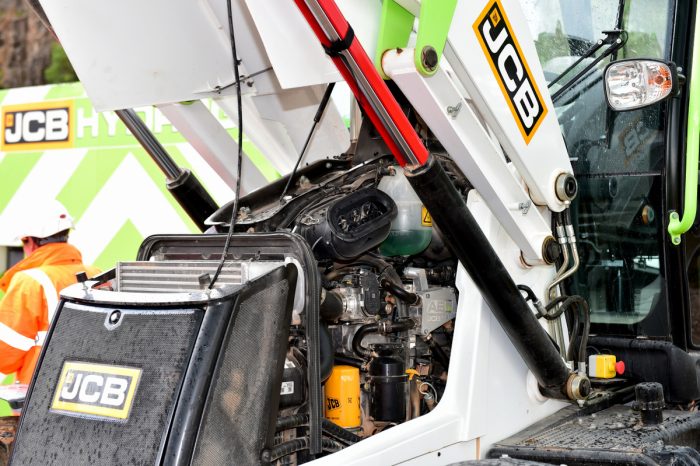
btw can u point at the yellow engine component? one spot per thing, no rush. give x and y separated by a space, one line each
603 366
343 396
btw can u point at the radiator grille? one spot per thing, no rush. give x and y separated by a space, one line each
159 342
172 277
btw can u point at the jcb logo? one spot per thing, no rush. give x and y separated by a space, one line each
96 390
503 52
37 126
332 403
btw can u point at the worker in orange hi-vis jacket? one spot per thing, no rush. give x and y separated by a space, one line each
32 286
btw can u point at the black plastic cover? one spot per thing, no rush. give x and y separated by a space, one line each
348 226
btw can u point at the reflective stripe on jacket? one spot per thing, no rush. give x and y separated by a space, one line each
32 290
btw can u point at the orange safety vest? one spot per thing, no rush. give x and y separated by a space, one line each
32 288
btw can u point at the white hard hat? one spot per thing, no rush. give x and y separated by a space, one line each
43 220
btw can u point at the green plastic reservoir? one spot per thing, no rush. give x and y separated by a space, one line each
411 230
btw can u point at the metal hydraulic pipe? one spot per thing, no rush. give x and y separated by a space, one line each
464 236
182 184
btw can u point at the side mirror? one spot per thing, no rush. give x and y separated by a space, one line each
637 83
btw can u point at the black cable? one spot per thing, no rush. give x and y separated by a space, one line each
293 446
240 147
319 113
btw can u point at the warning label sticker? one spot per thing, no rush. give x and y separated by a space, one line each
425 219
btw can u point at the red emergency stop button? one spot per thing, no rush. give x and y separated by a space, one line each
620 367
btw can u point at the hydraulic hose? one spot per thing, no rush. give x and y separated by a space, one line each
348 361
302 443
384 327
409 298
361 333
581 317
438 353
331 428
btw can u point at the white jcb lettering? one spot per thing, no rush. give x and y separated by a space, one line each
92 383
14 135
114 392
57 124
509 52
494 44
70 392
33 132
526 104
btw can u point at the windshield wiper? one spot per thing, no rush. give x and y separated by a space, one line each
613 40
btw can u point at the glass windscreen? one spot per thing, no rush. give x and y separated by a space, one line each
617 157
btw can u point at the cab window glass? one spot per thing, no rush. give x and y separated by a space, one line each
617 157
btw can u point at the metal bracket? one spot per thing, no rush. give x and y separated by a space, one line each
395 27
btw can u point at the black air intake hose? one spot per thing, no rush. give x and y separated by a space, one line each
398 291
385 327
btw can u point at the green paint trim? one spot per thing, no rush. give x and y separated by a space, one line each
676 225
122 247
433 25
395 27
65 91
3 93
89 178
4 405
14 168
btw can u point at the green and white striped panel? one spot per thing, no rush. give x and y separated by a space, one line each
114 191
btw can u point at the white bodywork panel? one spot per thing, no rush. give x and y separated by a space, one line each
132 53
163 52
544 157
212 141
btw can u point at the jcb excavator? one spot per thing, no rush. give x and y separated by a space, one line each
497 263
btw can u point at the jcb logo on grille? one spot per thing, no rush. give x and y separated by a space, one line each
95 390
37 126
508 64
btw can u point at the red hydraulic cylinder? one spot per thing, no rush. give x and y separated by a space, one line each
371 92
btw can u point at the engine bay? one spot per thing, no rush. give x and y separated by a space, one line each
388 299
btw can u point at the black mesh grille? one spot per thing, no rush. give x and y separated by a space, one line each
238 419
158 342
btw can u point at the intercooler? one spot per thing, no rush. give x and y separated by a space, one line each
162 371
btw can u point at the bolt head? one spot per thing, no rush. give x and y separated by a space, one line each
429 58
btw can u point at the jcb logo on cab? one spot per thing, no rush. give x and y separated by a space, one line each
510 69
45 125
96 390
